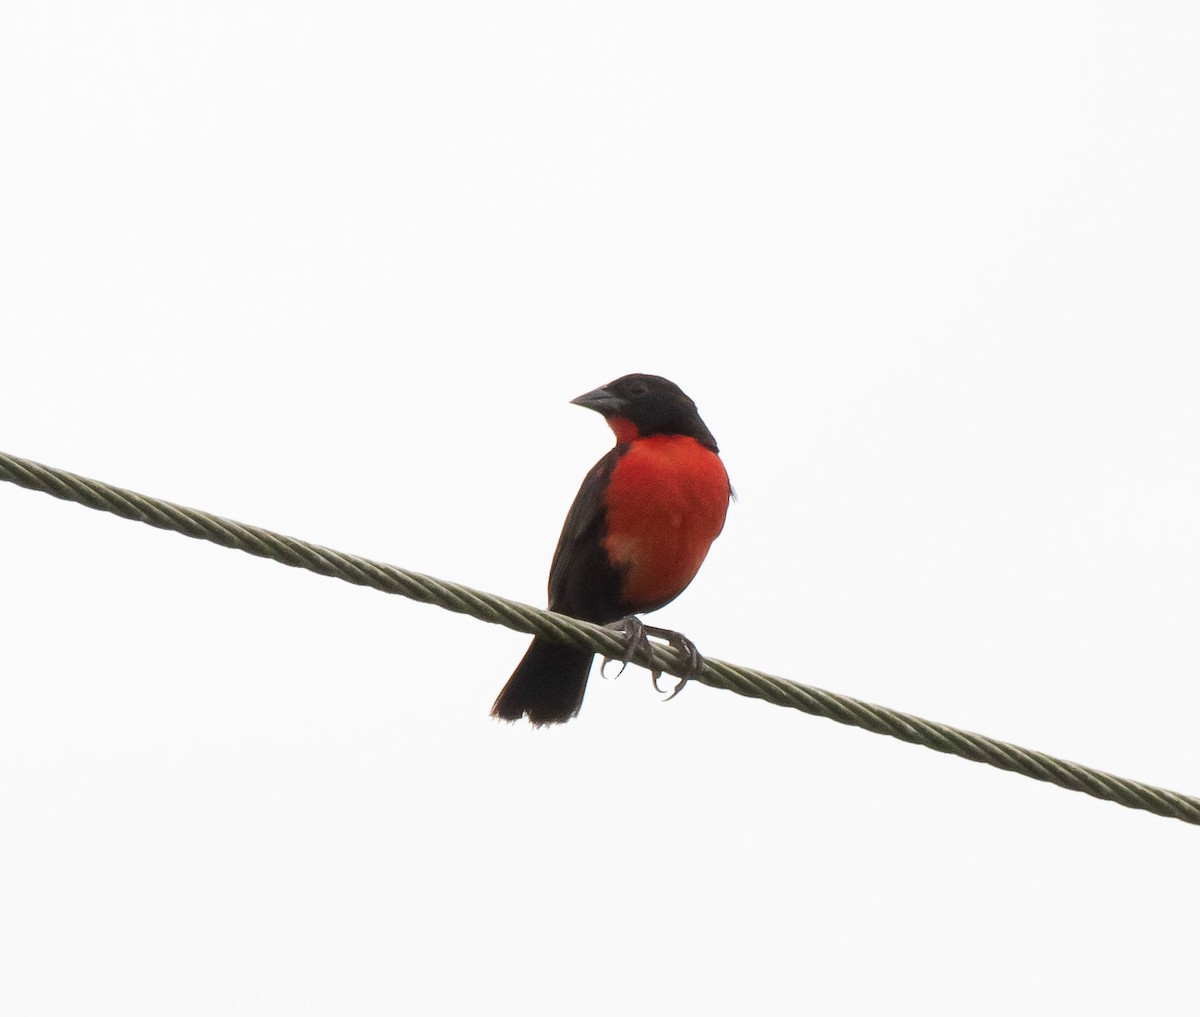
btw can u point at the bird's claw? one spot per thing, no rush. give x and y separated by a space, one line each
694 661
637 637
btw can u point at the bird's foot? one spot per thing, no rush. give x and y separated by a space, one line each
637 637
680 642
634 633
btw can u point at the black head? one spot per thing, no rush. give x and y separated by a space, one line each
639 405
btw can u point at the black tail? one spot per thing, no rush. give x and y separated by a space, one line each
547 685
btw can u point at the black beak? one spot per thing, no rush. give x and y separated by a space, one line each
601 400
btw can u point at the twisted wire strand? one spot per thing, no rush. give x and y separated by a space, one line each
585 635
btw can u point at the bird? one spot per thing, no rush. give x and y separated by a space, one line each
634 539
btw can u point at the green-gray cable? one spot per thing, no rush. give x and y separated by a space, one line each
488 607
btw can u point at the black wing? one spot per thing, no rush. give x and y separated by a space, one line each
583 582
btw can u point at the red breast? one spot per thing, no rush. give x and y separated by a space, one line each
666 502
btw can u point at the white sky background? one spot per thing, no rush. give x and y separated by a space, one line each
930 272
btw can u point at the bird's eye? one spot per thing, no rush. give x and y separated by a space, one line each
637 389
